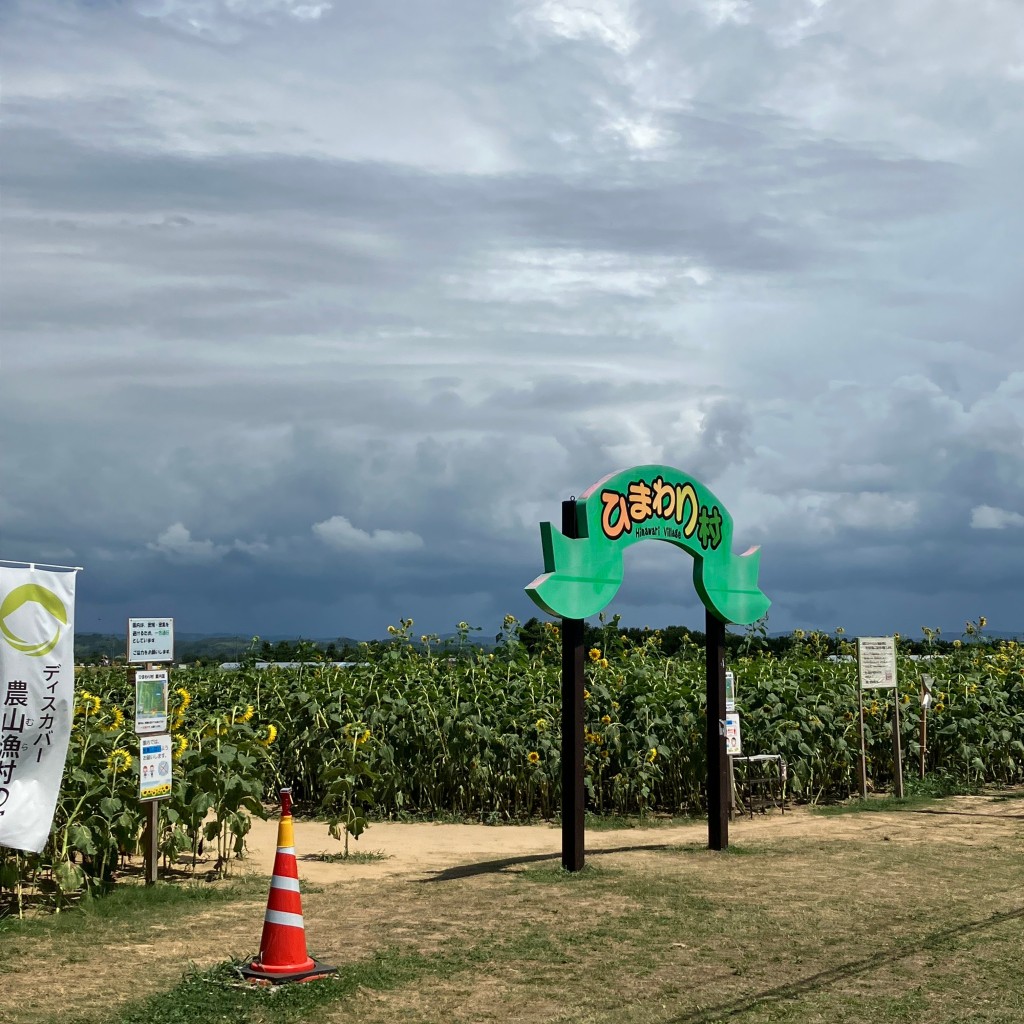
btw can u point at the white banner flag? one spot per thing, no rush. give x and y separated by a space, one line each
37 699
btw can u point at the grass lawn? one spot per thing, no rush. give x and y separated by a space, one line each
912 913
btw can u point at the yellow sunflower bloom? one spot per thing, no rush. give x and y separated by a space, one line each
595 653
119 761
271 735
533 757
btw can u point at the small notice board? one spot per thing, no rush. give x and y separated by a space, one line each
150 640
151 701
876 662
155 767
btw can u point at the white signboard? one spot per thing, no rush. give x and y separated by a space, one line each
151 701
733 744
150 640
37 699
730 692
876 662
155 767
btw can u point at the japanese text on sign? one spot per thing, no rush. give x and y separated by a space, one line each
151 701
23 738
155 767
676 505
876 662
36 699
150 640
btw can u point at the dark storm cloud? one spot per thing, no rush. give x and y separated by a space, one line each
311 312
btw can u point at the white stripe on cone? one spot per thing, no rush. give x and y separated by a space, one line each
286 849
280 917
284 882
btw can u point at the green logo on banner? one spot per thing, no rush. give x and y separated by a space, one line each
26 594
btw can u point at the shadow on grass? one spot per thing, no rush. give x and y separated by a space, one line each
489 867
823 979
963 814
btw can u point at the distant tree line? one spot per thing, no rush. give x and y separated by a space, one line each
98 648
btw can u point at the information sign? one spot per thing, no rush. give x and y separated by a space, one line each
155 767
876 662
730 692
733 744
151 701
150 640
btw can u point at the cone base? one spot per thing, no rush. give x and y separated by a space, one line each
255 972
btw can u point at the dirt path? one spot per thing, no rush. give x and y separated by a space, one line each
421 849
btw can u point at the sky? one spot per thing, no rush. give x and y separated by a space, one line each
311 311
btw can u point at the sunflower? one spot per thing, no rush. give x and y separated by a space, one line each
271 735
247 713
180 745
119 761
595 653
533 757
90 703
652 755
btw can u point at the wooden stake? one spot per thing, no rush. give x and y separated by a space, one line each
897 747
151 841
922 756
863 746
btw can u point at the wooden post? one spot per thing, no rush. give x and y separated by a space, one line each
572 724
897 747
863 746
922 756
717 759
151 841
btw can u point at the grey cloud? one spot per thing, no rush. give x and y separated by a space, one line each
423 272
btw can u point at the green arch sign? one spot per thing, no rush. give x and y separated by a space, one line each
582 573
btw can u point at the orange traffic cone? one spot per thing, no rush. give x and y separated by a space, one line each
282 956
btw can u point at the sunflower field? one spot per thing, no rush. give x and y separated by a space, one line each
421 727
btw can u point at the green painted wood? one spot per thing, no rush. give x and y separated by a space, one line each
582 575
